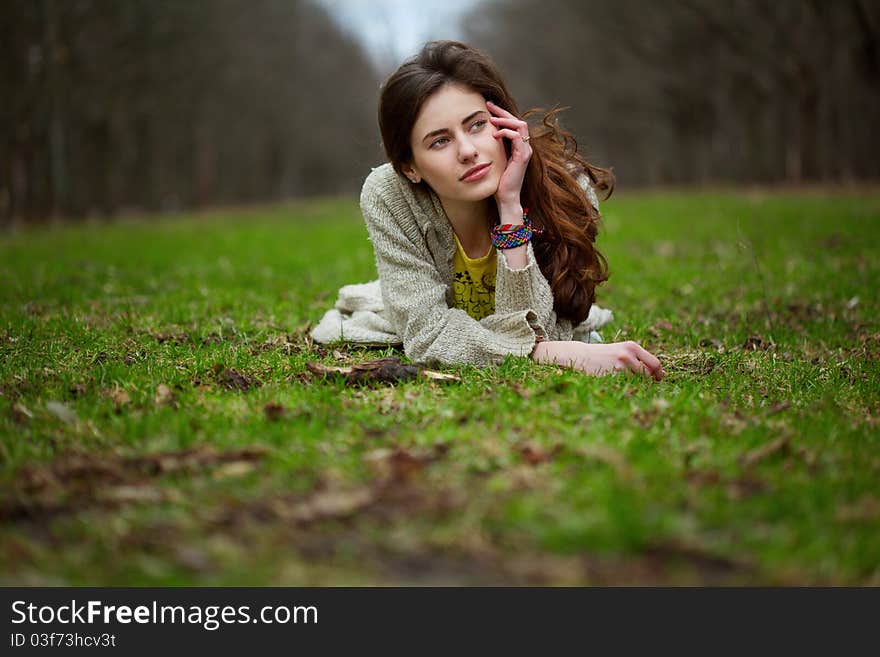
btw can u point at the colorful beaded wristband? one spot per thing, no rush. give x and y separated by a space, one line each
510 236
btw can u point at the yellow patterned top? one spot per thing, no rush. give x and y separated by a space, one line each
474 282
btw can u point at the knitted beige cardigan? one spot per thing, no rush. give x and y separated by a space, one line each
411 303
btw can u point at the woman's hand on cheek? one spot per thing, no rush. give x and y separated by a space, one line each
510 127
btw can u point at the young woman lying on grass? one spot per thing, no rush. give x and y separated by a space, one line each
483 231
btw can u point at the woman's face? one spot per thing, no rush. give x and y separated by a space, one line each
451 136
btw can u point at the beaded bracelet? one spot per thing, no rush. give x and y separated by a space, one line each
510 236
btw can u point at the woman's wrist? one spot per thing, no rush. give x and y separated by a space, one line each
510 212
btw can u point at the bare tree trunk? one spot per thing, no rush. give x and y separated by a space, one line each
58 166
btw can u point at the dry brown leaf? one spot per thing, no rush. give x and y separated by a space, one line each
118 396
78 389
61 411
178 338
128 494
778 408
402 465
163 395
328 504
865 509
232 379
78 480
383 370
743 487
760 453
521 390
756 343
607 455
234 469
534 455
20 413
274 411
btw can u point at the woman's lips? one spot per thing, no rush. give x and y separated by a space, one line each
478 174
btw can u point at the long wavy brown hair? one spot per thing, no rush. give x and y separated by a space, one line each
566 251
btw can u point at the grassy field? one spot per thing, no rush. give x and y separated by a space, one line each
159 426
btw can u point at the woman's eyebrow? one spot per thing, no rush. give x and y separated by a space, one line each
463 121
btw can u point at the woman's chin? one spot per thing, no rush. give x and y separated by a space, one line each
481 190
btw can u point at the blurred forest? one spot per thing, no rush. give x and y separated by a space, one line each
155 105
698 91
162 104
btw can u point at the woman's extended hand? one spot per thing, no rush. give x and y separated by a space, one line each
517 131
599 358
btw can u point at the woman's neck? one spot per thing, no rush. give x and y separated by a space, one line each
470 221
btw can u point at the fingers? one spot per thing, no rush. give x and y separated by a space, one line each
635 364
507 119
646 357
651 362
510 134
510 123
499 110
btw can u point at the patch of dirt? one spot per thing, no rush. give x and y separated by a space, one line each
79 480
381 371
757 343
232 379
697 363
179 338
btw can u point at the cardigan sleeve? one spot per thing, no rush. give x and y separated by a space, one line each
414 298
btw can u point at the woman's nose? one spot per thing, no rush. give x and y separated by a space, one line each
467 149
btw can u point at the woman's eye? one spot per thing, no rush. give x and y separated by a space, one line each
479 124
437 141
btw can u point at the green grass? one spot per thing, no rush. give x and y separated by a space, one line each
744 466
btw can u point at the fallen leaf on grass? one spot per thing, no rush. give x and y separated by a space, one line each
61 411
233 469
756 343
607 455
764 451
177 338
119 397
865 509
20 413
383 370
329 504
77 390
79 480
163 396
743 487
211 338
192 459
401 465
234 380
127 494
282 343
778 408
534 455
274 411
521 390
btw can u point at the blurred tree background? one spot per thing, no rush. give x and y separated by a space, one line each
697 91
162 104
155 105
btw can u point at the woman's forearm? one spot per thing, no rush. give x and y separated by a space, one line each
600 358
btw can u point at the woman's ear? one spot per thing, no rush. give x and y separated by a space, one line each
410 172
